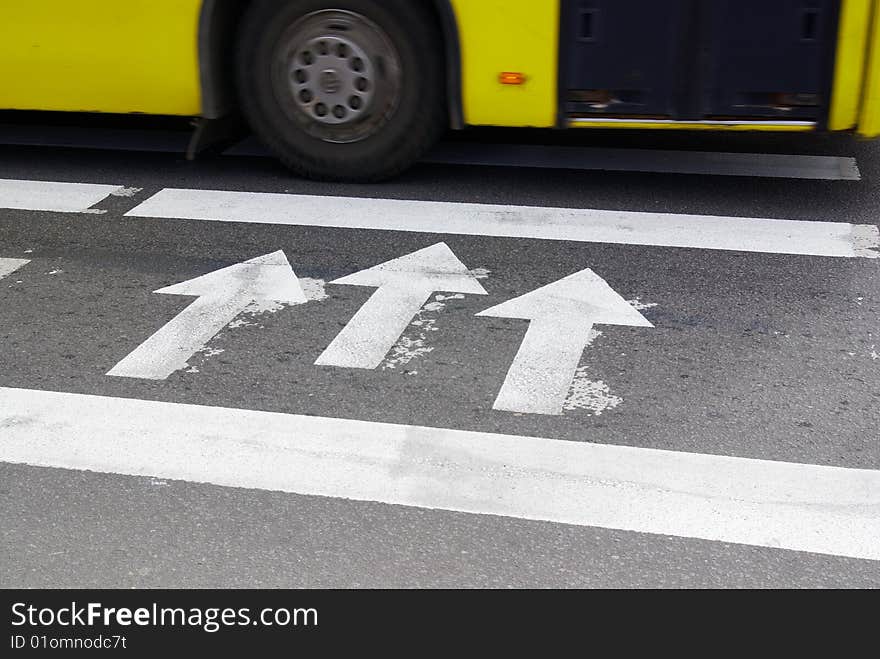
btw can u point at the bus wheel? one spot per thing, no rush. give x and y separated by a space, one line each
344 90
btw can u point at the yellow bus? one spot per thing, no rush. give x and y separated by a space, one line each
359 89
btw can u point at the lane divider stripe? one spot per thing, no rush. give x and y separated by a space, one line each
763 235
811 508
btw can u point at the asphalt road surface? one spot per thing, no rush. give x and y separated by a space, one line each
673 379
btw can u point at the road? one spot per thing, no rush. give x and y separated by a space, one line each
492 372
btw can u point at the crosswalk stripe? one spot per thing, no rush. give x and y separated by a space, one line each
745 234
52 196
811 508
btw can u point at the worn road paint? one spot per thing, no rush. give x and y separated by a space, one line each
222 295
592 396
53 196
8 266
415 343
126 192
561 316
581 225
827 510
403 286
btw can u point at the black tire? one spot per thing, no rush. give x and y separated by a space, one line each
404 116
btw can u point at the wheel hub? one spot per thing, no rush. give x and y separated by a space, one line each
332 74
338 75
331 83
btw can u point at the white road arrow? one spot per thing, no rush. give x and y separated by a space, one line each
562 315
222 295
404 285
8 266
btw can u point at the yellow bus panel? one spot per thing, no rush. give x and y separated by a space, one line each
101 56
509 36
849 65
869 119
142 56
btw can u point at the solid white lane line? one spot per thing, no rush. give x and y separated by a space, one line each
770 165
8 266
829 510
584 225
52 196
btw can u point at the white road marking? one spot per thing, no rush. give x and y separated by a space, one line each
641 306
126 192
8 266
599 226
772 165
222 295
561 316
827 510
403 286
415 342
593 396
53 196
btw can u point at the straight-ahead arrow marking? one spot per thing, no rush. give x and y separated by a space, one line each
8 266
222 295
404 285
561 316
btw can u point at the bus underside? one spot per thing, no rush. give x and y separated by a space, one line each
782 65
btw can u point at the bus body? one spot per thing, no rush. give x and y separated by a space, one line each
778 65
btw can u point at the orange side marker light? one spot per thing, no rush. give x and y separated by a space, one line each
511 78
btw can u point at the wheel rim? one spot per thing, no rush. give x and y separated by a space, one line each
337 75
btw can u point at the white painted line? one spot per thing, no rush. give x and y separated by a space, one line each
583 225
8 266
827 510
221 296
52 196
403 286
561 316
765 165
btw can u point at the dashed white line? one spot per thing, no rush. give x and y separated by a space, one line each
53 196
